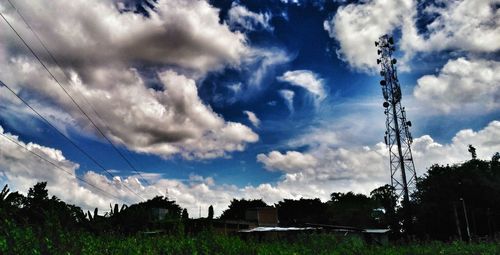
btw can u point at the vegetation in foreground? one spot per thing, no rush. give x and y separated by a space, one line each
445 198
30 241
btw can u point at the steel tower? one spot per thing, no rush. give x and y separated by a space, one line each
397 136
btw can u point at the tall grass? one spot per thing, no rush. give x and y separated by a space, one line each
17 240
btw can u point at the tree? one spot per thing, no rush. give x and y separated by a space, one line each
297 212
439 194
38 194
185 214
210 212
472 151
237 208
495 163
351 209
385 197
140 216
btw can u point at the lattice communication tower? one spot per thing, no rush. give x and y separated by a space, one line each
397 136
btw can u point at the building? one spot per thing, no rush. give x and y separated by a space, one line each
263 216
159 214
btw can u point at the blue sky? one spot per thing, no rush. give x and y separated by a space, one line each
256 99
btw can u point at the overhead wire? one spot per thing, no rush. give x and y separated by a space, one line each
65 91
66 137
61 168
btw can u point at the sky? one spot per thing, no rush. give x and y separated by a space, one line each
206 101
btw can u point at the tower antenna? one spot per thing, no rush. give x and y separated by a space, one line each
397 135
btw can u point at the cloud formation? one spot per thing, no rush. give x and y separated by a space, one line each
288 97
466 25
252 118
330 167
307 80
292 161
357 26
317 172
239 17
182 38
465 85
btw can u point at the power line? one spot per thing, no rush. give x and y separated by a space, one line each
65 91
66 137
60 168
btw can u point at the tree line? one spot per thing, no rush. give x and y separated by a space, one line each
451 201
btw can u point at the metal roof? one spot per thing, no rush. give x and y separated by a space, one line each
273 229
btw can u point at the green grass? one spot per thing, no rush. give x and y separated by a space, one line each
29 241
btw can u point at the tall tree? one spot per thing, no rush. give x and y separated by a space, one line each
185 214
237 208
472 151
441 191
385 197
297 212
210 212
352 210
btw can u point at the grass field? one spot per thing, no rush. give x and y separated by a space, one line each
52 241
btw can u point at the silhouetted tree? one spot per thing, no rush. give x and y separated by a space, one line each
386 198
10 204
140 216
495 163
351 209
472 151
238 208
185 214
439 193
298 212
210 212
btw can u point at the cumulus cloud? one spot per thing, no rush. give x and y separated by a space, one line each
362 168
462 84
307 80
357 26
239 17
253 118
317 172
486 141
184 38
465 25
21 170
182 33
288 97
292 161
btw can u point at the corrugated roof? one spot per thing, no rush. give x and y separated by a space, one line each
272 229
377 231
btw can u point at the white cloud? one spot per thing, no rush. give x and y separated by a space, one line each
291 162
265 60
253 118
357 26
21 170
466 25
486 141
329 168
288 97
307 80
240 17
318 172
182 33
462 85
99 48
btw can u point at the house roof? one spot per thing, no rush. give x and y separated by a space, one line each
273 229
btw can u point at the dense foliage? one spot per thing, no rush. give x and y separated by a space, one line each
30 241
446 193
446 199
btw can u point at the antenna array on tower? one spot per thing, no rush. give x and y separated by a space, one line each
397 136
